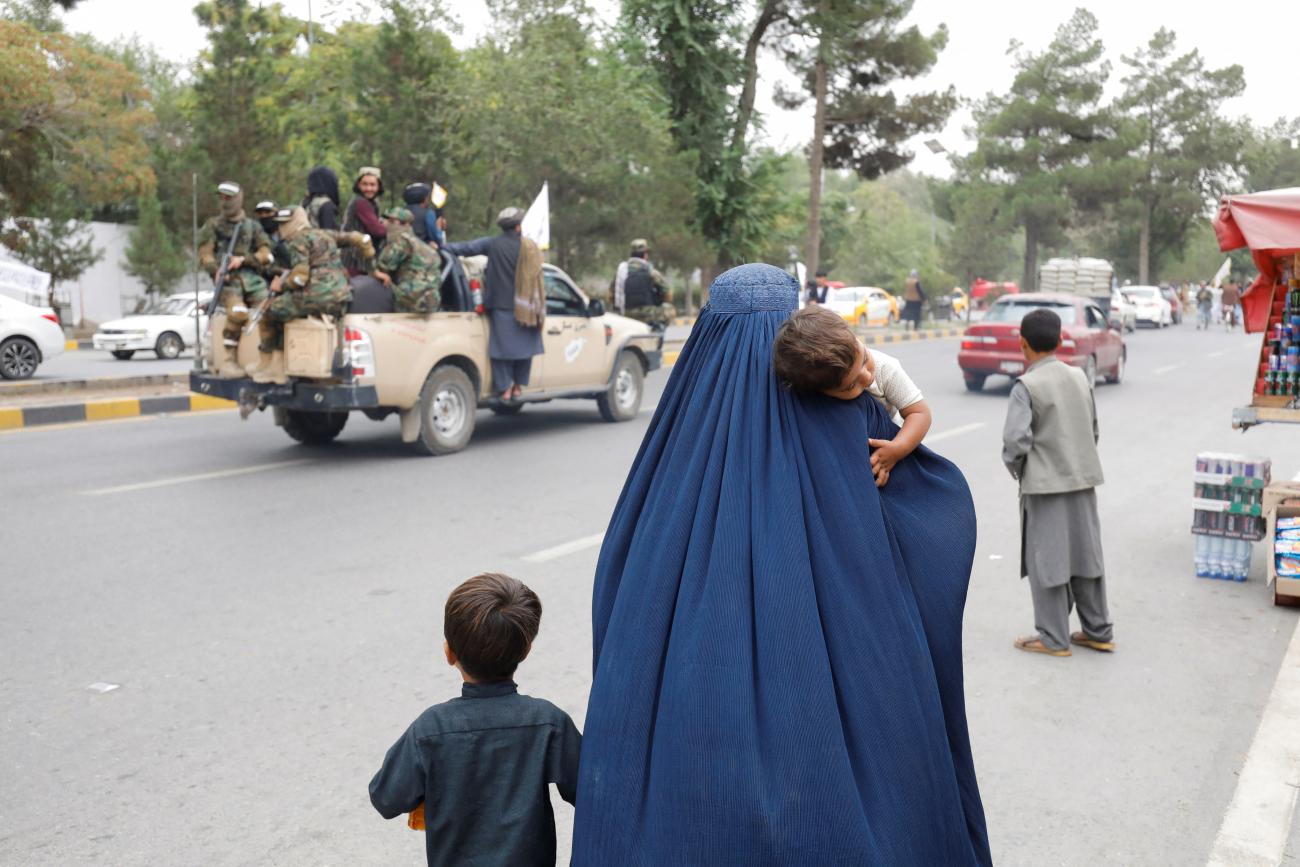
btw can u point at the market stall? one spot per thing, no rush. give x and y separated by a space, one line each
1269 224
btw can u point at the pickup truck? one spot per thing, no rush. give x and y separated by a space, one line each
432 370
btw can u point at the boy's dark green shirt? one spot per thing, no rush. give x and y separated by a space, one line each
482 764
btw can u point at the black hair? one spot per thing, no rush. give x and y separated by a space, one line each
1041 329
821 272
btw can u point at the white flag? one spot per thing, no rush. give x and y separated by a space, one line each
537 222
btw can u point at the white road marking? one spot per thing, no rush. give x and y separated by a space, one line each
953 432
1160 371
1216 354
565 550
201 477
1258 820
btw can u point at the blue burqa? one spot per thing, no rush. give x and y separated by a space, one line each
778 672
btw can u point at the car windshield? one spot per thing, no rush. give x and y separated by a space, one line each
172 306
1014 311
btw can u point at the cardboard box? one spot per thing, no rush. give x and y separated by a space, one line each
309 348
1281 500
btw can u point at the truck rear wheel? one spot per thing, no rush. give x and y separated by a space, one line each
314 428
447 407
623 400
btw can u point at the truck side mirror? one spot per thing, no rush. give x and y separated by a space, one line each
595 307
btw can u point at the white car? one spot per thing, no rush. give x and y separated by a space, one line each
28 336
167 330
1123 310
1152 308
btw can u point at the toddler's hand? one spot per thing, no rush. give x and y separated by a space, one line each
887 453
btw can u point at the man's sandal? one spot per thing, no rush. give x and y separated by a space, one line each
1034 644
1082 639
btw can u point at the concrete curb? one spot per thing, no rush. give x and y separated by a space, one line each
909 336
60 386
74 345
12 417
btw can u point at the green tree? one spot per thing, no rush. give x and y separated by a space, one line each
980 242
857 53
1039 139
1272 157
152 255
1186 153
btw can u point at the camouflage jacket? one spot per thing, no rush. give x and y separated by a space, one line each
407 259
253 244
314 252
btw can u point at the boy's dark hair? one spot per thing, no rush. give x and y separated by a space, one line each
814 350
490 622
1041 329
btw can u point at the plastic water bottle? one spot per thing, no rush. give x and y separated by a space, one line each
1216 557
1200 558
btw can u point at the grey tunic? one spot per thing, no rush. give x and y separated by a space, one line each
508 340
1060 534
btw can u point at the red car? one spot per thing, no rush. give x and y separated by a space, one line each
992 346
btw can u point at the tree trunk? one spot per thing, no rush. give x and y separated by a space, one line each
1029 280
745 110
1144 246
812 254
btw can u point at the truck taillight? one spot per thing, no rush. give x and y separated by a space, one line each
361 351
476 295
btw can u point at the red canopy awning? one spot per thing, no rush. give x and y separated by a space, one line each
1269 224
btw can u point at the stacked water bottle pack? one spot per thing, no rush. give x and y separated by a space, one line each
1286 547
1228 516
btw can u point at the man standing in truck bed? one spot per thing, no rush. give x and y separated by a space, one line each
244 286
640 291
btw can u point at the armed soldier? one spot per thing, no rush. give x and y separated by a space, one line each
234 250
316 284
641 292
407 265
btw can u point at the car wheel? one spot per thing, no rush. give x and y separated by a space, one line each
122 354
447 407
1118 376
975 383
507 408
1090 370
18 358
169 345
623 400
314 428
862 321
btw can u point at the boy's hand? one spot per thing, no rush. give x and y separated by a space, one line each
886 454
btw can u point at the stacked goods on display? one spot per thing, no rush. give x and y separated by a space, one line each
1229 512
1279 367
1078 276
1286 548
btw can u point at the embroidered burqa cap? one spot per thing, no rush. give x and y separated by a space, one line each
777 644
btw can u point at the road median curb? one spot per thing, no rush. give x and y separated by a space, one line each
12 417
9 390
910 336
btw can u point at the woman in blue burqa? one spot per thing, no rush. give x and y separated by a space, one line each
778 674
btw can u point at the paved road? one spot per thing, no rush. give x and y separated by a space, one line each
272 615
92 364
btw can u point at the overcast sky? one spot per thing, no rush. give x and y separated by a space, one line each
1261 35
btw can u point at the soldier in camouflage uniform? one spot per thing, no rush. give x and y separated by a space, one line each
316 284
409 266
244 285
641 292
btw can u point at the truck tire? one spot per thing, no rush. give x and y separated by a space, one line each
447 407
623 400
314 428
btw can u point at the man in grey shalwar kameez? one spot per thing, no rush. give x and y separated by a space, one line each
511 346
1050 446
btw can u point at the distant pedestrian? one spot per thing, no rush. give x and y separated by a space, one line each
1230 301
819 287
479 767
515 299
913 300
1049 444
1204 306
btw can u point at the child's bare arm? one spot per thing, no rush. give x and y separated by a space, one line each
916 423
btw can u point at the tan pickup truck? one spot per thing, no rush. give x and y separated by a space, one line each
433 371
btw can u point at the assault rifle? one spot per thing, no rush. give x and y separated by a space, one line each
224 270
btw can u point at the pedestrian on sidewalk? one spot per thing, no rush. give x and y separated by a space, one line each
1049 444
1231 303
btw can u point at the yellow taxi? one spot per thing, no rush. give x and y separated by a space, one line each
863 306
